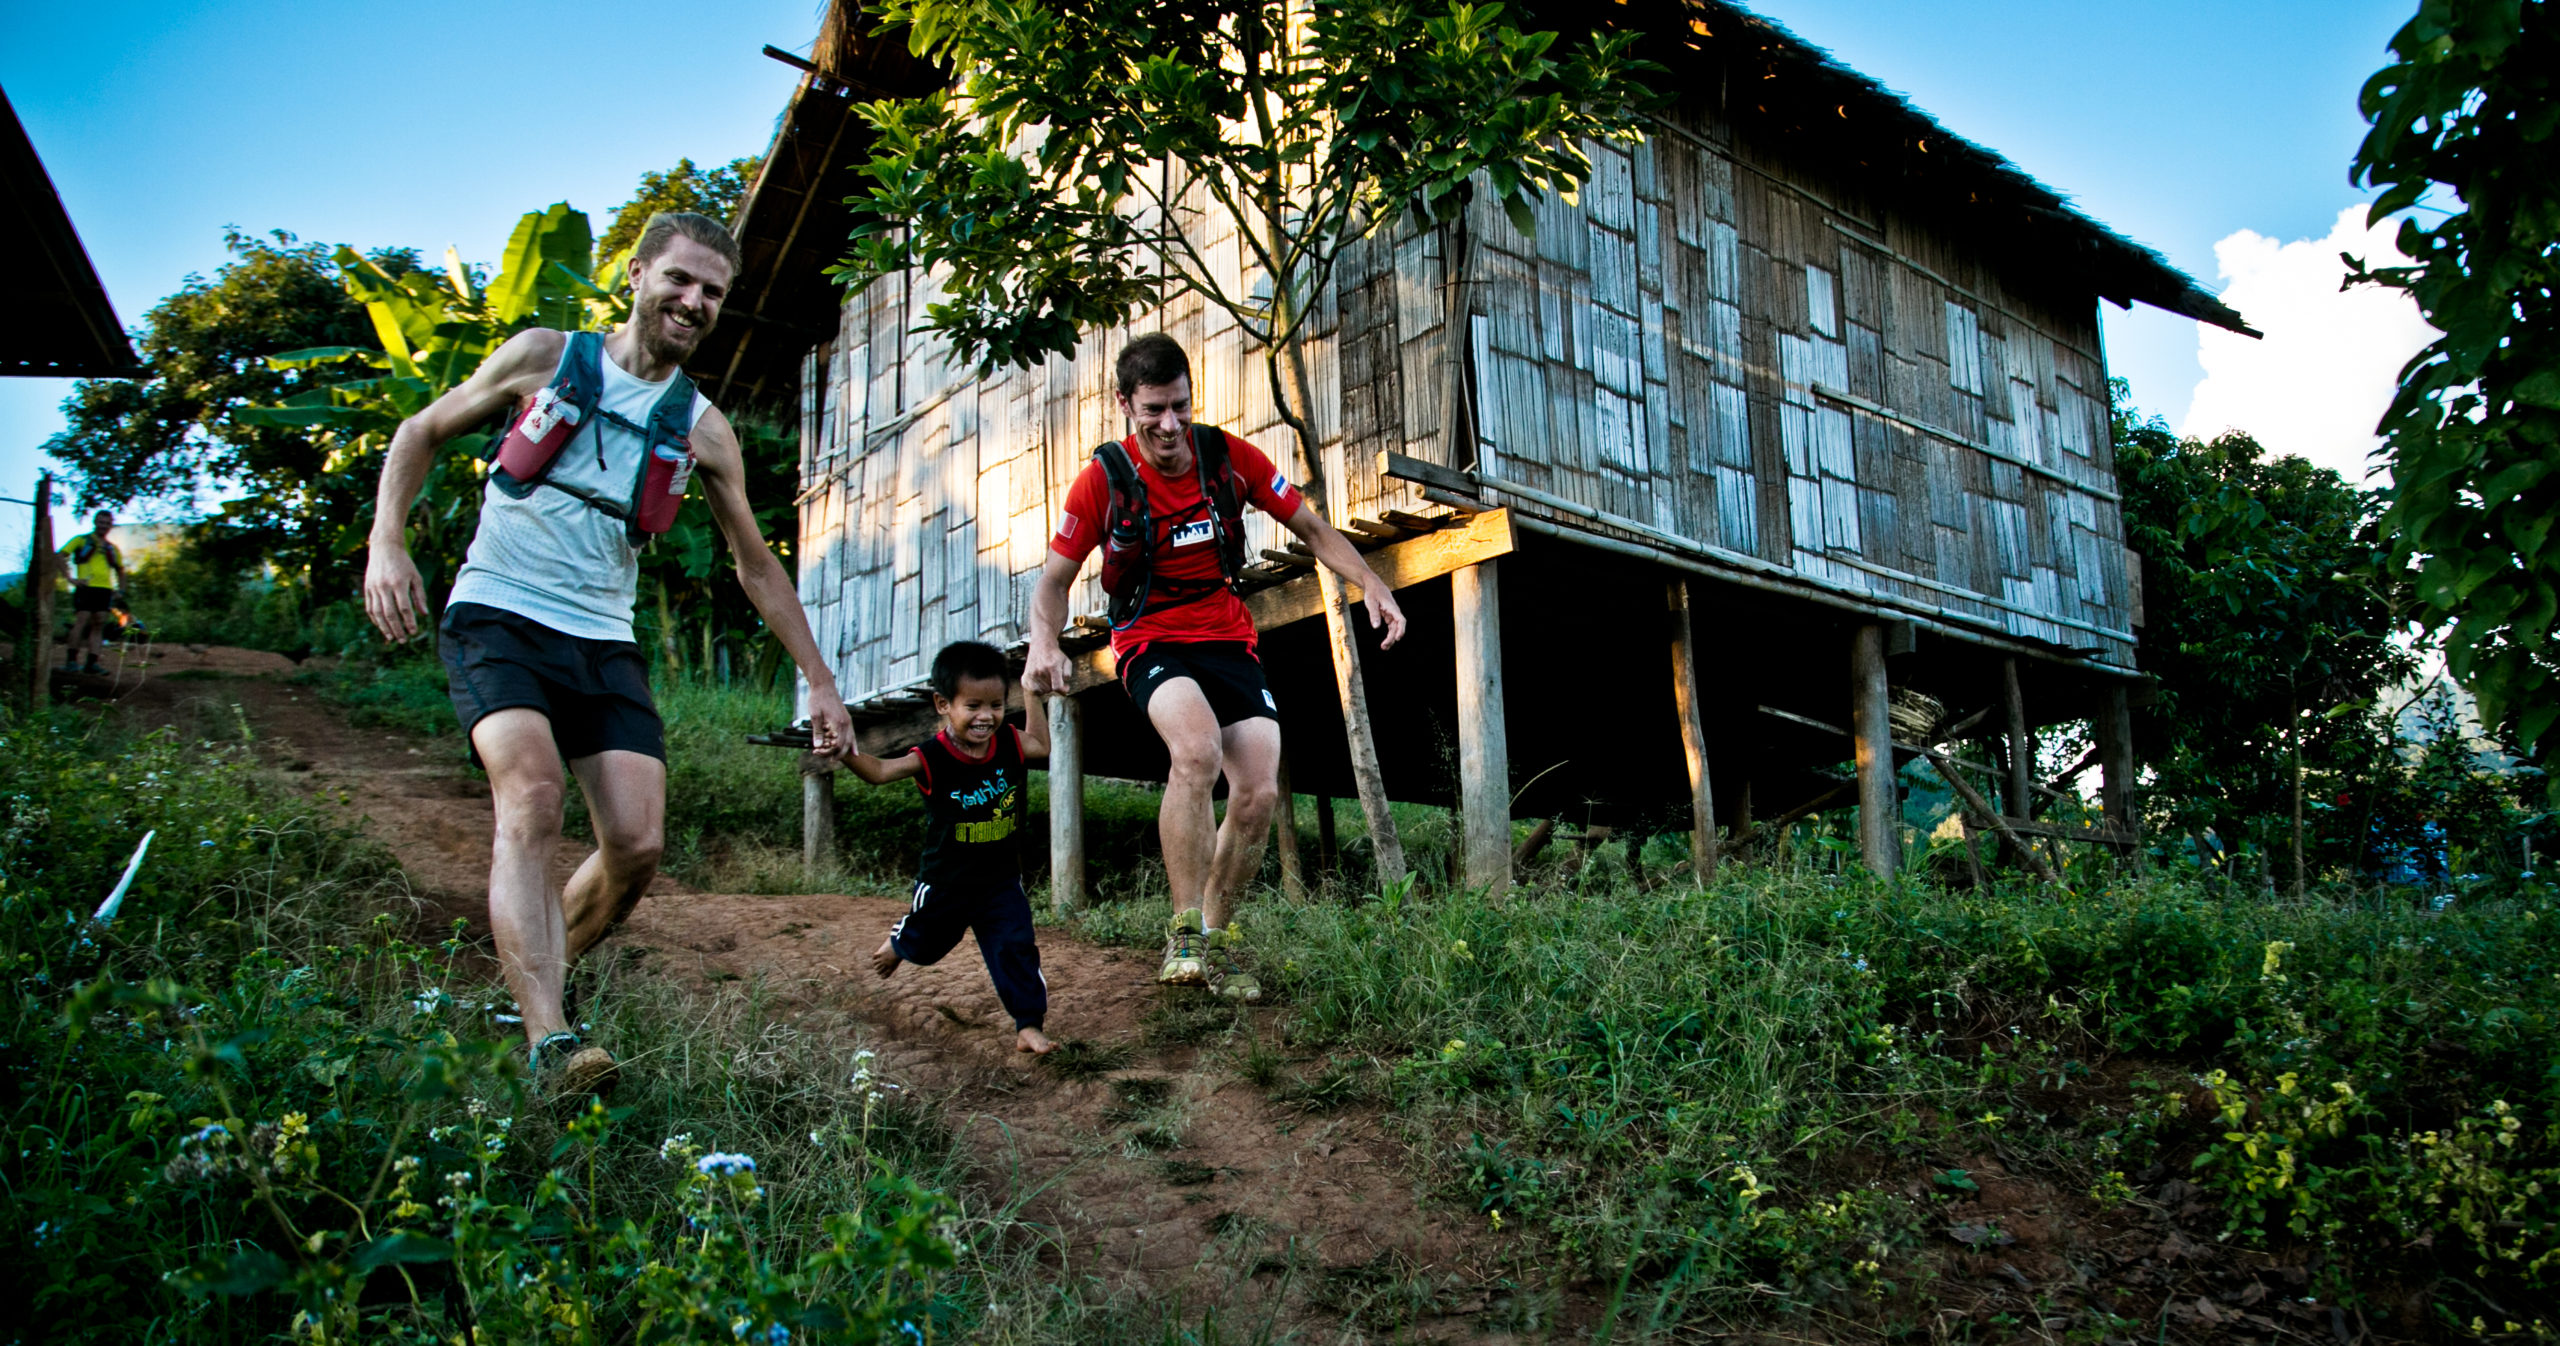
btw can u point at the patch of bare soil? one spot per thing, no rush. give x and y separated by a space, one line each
1163 1173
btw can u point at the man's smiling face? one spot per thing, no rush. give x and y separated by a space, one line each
1162 414
676 297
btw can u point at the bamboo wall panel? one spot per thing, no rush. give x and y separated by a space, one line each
1712 339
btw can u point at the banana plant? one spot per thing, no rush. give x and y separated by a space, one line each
435 327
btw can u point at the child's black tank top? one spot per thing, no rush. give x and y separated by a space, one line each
973 810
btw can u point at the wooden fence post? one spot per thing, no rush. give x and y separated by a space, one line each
1693 735
1879 806
1066 804
1484 742
39 650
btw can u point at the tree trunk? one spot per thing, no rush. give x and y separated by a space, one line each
1295 400
2298 876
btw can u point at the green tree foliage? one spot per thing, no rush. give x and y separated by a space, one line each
715 192
431 331
2467 116
1031 186
2268 620
168 437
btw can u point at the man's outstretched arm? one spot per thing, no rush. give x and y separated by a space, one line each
1340 557
394 597
1045 671
722 468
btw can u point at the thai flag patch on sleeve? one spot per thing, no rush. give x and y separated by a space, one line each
1279 483
1068 526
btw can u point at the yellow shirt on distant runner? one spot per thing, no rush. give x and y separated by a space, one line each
90 560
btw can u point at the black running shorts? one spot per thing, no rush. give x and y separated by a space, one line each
594 692
1228 674
92 598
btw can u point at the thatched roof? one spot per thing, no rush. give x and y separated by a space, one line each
65 327
1773 87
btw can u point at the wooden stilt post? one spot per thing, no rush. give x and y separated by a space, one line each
1484 744
2115 756
1066 804
1693 736
2022 752
817 820
1366 776
38 649
1328 842
1284 824
1879 807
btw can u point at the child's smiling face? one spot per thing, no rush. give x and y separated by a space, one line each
973 711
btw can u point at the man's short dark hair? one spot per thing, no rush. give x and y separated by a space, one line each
1153 360
965 659
664 227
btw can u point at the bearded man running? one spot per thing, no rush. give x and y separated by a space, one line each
536 637
1166 507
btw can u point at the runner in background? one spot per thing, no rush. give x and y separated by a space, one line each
96 571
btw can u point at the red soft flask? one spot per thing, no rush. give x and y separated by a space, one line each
549 422
662 491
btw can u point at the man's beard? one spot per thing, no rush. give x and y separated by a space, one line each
664 344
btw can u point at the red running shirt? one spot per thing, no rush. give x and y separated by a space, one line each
1173 505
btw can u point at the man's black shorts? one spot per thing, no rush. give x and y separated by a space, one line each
92 598
595 692
1227 671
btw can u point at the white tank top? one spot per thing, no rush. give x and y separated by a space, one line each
553 557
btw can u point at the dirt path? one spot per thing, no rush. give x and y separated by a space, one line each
1167 1173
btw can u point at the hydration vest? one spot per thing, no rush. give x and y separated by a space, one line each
545 422
1129 533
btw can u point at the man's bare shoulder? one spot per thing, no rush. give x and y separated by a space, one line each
526 360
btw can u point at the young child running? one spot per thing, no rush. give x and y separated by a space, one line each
972 774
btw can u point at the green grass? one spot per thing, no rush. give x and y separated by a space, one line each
261 1103
1687 1083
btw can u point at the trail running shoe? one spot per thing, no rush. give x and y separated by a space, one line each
1186 960
1228 980
568 1068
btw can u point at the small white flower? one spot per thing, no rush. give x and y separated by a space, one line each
723 1164
667 1148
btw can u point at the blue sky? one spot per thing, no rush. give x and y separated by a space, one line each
2178 122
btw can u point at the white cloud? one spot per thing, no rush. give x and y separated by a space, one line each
2326 371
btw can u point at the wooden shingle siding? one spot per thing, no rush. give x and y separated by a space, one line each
1713 340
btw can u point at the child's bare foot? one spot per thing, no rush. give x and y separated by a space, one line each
1034 1041
884 960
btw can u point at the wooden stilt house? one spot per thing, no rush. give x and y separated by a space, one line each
1796 420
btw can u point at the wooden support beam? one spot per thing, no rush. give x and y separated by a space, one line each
1484 743
1693 734
1879 801
1284 822
1539 835
1066 804
2022 752
1415 470
2115 755
1973 800
1328 838
817 820
1401 565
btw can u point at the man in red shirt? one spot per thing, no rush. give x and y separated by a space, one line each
1184 642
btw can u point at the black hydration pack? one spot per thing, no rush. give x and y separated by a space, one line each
1129 534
